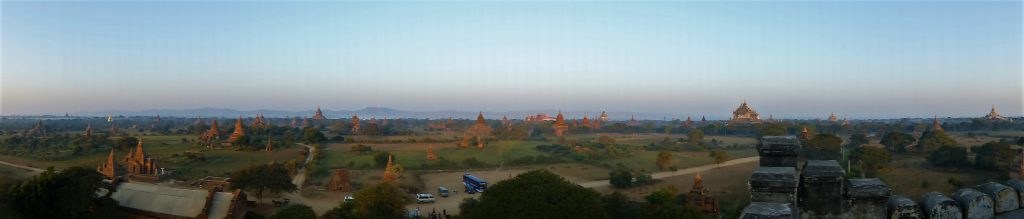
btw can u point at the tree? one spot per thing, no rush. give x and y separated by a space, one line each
995 156
664 159
823 147
384 200
773 130
872 159
312 136
696 136
70 193
897 142
258 179
857 139
719 155
618 206
934 139
381 158
949 156
537 194
663 204
621 177
467 205
296 211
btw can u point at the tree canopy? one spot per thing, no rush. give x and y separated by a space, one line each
70 193
872 159
897 142
995 156
297 211
621 176
934 139
537 194
258 179
384 200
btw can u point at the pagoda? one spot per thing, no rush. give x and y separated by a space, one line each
355 124
993 115
833 118
688 122
88 131
38 130
936 125
319 115
632 121
700 198
211 135
141 166
586 121
110 169
560 126
430 153
744 114
390 172
239 131
480 130
604 117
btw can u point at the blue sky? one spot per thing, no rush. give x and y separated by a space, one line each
791 59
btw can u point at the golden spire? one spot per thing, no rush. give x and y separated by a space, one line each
698 182
936 125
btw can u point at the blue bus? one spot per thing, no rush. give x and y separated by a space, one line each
473 184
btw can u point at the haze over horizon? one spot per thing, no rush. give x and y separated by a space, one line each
790 59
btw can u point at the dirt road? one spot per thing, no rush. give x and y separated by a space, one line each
659 175
33 169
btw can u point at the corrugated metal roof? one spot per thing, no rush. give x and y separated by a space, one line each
172 201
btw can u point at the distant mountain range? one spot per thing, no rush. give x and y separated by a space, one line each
378 112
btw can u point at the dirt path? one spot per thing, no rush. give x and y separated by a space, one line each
319 205
659 175
33 169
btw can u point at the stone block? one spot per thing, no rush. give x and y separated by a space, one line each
774 184
974 204
900 207
935 205
769 210
1018 186
1005 198
821 189
866 198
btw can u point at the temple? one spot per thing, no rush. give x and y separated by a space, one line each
744 114
430 153
559 125
632 121
319 115
355 124
142 167
833 118
700 198
479 131
38 130
604 117
390 172
239 132
110 169
212 136
993 115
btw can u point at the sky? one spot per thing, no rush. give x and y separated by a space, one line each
799 59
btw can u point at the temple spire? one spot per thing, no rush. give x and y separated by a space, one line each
936 125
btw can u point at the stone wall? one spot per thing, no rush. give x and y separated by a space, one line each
974 204
866 198
1005 198
821 189
774 184
935 205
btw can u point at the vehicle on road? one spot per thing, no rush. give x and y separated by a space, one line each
442 191
424 198
473 184
349 198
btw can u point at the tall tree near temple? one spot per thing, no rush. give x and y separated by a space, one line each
857 139
934 139
260 179
537 194
897 142
995 156
872 159
664 159
384 200
949 156
719 155
696 136
71 193
312 136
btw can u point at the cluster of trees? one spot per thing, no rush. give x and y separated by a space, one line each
992 156
56 146
624 177
261 179
71 193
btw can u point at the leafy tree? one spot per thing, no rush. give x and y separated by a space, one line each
664 159
857 139
70 193
696 136
663 204
618 206
258 179
297 211
719 155
537 194
872 159
312 136
995 156
384 200
125 143
467 205
934 139
897 141
773 130
823 146
343 211
620 177
949 156
381 158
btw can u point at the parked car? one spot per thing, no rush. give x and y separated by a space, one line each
349 198
424 198
443 191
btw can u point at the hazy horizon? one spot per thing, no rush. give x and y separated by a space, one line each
789 59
